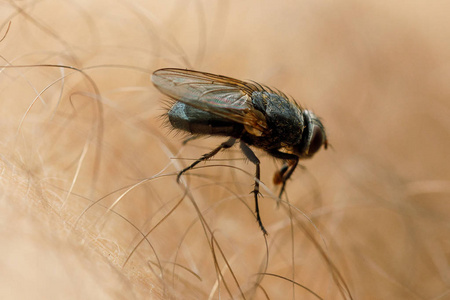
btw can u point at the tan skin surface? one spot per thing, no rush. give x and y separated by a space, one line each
89 203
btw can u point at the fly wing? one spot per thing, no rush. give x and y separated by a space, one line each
223 96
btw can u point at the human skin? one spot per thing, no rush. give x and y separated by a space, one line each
88 165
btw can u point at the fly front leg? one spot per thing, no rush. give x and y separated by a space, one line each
289 166
224 145
279 175
286 172
252 157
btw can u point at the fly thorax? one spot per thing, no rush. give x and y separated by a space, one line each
285 119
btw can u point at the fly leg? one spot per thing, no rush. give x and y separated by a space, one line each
285 173
252 157
224 145
279 175
286 170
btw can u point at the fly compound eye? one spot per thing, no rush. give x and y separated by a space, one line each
317 139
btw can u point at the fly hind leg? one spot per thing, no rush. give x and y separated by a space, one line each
224 145
252 157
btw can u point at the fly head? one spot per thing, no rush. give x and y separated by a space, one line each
313 136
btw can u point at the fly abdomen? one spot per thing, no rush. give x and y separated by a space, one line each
196 121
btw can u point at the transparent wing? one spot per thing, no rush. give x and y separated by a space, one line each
223 96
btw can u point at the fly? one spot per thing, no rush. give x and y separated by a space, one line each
209 104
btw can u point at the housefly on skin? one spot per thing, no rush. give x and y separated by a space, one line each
209 104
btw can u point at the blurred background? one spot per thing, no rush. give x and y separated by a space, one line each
90 207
